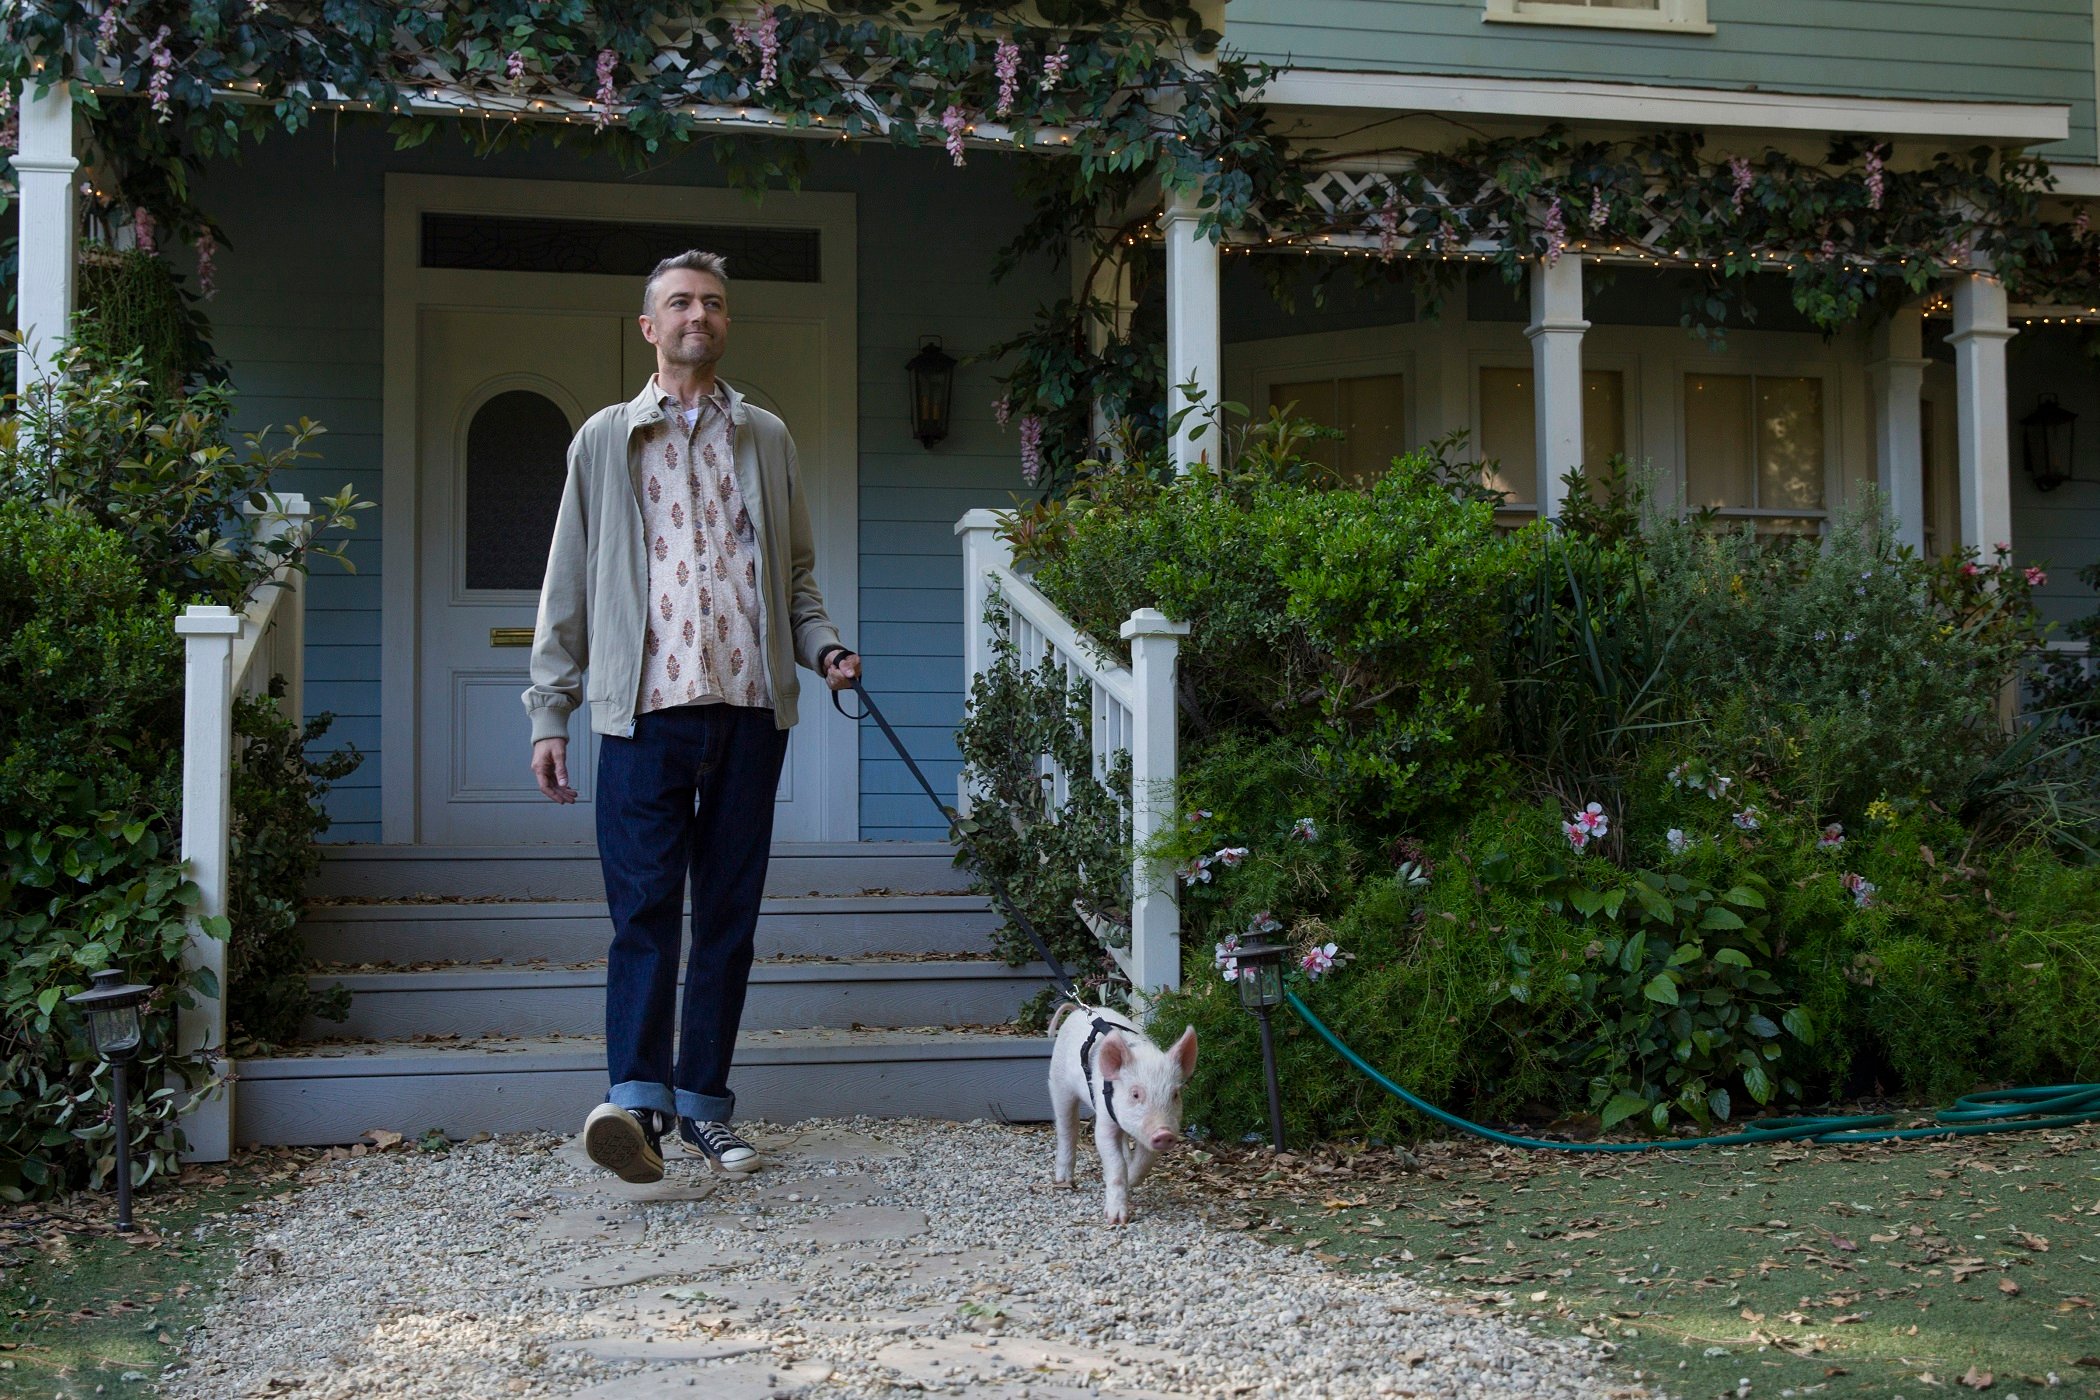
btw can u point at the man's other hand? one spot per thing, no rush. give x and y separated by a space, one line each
843 671
550 768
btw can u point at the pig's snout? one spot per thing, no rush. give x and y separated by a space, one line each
1162 1137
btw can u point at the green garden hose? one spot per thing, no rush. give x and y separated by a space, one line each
2001 1111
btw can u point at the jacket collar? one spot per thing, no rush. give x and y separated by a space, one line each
646 408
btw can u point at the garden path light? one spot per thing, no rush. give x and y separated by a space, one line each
112 1007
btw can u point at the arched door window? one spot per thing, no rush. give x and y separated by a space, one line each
517 456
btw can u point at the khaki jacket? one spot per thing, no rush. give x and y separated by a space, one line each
594 603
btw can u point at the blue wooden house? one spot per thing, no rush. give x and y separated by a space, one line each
452 317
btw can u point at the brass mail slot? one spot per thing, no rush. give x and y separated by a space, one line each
510 636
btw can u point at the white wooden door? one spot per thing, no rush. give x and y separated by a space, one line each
501 393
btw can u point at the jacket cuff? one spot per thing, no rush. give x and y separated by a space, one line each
548 723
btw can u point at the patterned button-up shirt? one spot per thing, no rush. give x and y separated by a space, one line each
703 644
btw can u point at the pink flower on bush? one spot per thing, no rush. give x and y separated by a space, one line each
1227 957
1749 819
1677 841
1304 830
953 122
1200 815
1196 872
2035 577
1230 856
1586 825
1264 924
1969 570
1832 838
1318 960
1006 62
1860 888
1031 449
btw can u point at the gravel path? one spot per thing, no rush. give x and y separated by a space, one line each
871 1259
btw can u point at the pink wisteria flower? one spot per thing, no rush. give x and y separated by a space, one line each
607 95
1556 230
514 69
1877 178
1054 65
1388 222
1749 819
1318 960
162 61
1739 170
1860 888
11 124
1832 838
1002 409
1304 830
2035 577
1006 62
765 37
1231 856
106 29
2083 224
1600 209
954 121
1031 449
207 264
142 230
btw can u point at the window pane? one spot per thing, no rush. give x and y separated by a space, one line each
1789 444
1509 433
1373 412
1603 417
517 459
1313 399
1718 438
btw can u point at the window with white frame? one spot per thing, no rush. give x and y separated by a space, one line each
1369 409
1757 445
1683 16
1508 428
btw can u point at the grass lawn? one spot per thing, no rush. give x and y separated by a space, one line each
85 1311
1797 1270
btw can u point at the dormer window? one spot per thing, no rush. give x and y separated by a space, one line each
1663 16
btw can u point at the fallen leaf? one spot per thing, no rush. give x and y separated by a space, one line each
2008 1288
1975 1378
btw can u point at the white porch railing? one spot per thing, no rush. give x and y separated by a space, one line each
1132 712
228 654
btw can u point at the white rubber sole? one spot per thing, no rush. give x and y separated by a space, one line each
613 1140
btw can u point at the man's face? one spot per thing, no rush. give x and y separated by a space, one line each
689 325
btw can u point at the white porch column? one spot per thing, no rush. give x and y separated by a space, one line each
1556 370
208 633
1984 425
1194 350
1897 376
44 169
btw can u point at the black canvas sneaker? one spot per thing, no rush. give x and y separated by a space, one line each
626 1142
718 1143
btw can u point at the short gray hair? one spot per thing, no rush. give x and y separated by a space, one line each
691 260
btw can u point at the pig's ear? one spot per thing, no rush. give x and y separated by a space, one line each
1184 1053
1114 1055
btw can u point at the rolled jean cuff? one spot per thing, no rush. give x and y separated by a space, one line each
640 1093
705 1108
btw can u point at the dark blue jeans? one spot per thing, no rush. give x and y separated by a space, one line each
690 793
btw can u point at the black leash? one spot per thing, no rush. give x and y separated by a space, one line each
1058 975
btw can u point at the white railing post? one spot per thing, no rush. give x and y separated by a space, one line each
208 633
1155 917
984 553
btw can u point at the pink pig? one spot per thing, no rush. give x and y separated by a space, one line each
1102 1063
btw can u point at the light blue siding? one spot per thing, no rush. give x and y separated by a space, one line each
1974 50
298 317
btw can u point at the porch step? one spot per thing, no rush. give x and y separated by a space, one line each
844 926
570 1000
571 872
333 1093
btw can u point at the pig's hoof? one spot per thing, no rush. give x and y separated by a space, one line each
1117 1215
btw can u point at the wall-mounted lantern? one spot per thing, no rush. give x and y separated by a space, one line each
2047 439
932 373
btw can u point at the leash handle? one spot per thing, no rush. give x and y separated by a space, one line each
870 710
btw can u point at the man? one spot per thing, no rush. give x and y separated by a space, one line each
681 574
